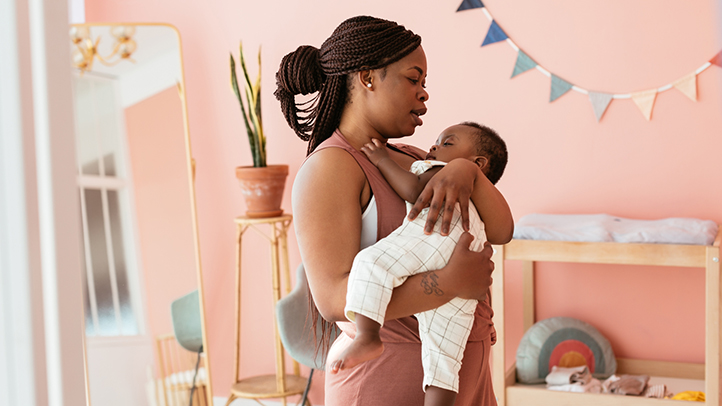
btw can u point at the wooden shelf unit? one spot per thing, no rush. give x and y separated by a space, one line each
511 393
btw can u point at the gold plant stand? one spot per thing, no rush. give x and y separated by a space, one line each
280 385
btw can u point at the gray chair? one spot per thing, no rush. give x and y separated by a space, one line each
186 316
188 333
296 328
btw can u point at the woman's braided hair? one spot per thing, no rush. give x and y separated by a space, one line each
357 44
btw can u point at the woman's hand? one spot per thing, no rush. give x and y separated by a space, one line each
468 273
454 183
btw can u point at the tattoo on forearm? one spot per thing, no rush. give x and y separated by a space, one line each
430 283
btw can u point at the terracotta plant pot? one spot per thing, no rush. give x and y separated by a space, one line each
262 189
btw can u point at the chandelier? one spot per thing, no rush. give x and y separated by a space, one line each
86 51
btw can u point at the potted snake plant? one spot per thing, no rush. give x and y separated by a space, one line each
262 185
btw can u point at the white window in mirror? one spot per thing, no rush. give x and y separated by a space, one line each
112 297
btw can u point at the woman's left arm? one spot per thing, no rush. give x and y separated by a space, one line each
459 181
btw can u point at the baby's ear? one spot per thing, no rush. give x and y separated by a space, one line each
481 162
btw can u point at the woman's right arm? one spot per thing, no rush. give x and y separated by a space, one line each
327 196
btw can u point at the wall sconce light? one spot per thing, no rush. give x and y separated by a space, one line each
86 51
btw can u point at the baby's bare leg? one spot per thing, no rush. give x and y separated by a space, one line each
365 346
436 396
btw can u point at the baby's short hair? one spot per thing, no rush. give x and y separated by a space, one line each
490 145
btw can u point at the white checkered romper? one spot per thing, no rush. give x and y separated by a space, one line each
378 269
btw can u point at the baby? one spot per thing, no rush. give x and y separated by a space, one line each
378 269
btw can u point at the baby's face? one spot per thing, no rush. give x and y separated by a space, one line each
455 142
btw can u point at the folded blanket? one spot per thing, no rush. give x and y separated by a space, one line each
606 228
563 376
593 386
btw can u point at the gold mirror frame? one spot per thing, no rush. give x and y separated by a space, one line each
121 52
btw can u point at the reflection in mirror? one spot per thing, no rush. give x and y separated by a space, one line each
138 219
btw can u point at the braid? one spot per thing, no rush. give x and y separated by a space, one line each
359 43
330 101
291 82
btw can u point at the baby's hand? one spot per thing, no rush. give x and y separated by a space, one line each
375 151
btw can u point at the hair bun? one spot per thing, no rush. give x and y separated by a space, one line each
300 71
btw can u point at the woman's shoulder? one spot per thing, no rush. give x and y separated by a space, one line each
331 162
329 158
327 173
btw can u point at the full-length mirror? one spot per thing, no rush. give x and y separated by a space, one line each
144 324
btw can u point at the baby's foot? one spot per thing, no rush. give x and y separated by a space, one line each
362 349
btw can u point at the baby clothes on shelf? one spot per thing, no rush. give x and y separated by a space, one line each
580 380
563 376
625 384
658 391
576 379
594 386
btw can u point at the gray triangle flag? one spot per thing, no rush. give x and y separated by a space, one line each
559 87
523 63
600 102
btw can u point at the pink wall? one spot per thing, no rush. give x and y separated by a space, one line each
157 149
562 160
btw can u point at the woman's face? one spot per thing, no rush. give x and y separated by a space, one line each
397 99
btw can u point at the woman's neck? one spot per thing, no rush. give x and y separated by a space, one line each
358 136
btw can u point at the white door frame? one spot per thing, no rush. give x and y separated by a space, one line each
41 347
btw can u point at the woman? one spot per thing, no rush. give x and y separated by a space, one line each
370 76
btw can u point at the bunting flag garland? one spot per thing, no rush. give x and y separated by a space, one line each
717 60
559 87
523 63
688 86
495 34
470 4
645 101
600 101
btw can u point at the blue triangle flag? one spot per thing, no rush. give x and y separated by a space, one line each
495 34
470 4
523 63
559 87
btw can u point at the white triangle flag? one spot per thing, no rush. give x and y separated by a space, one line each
600 102
645 101
688 86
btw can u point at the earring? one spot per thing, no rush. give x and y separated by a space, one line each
369 85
